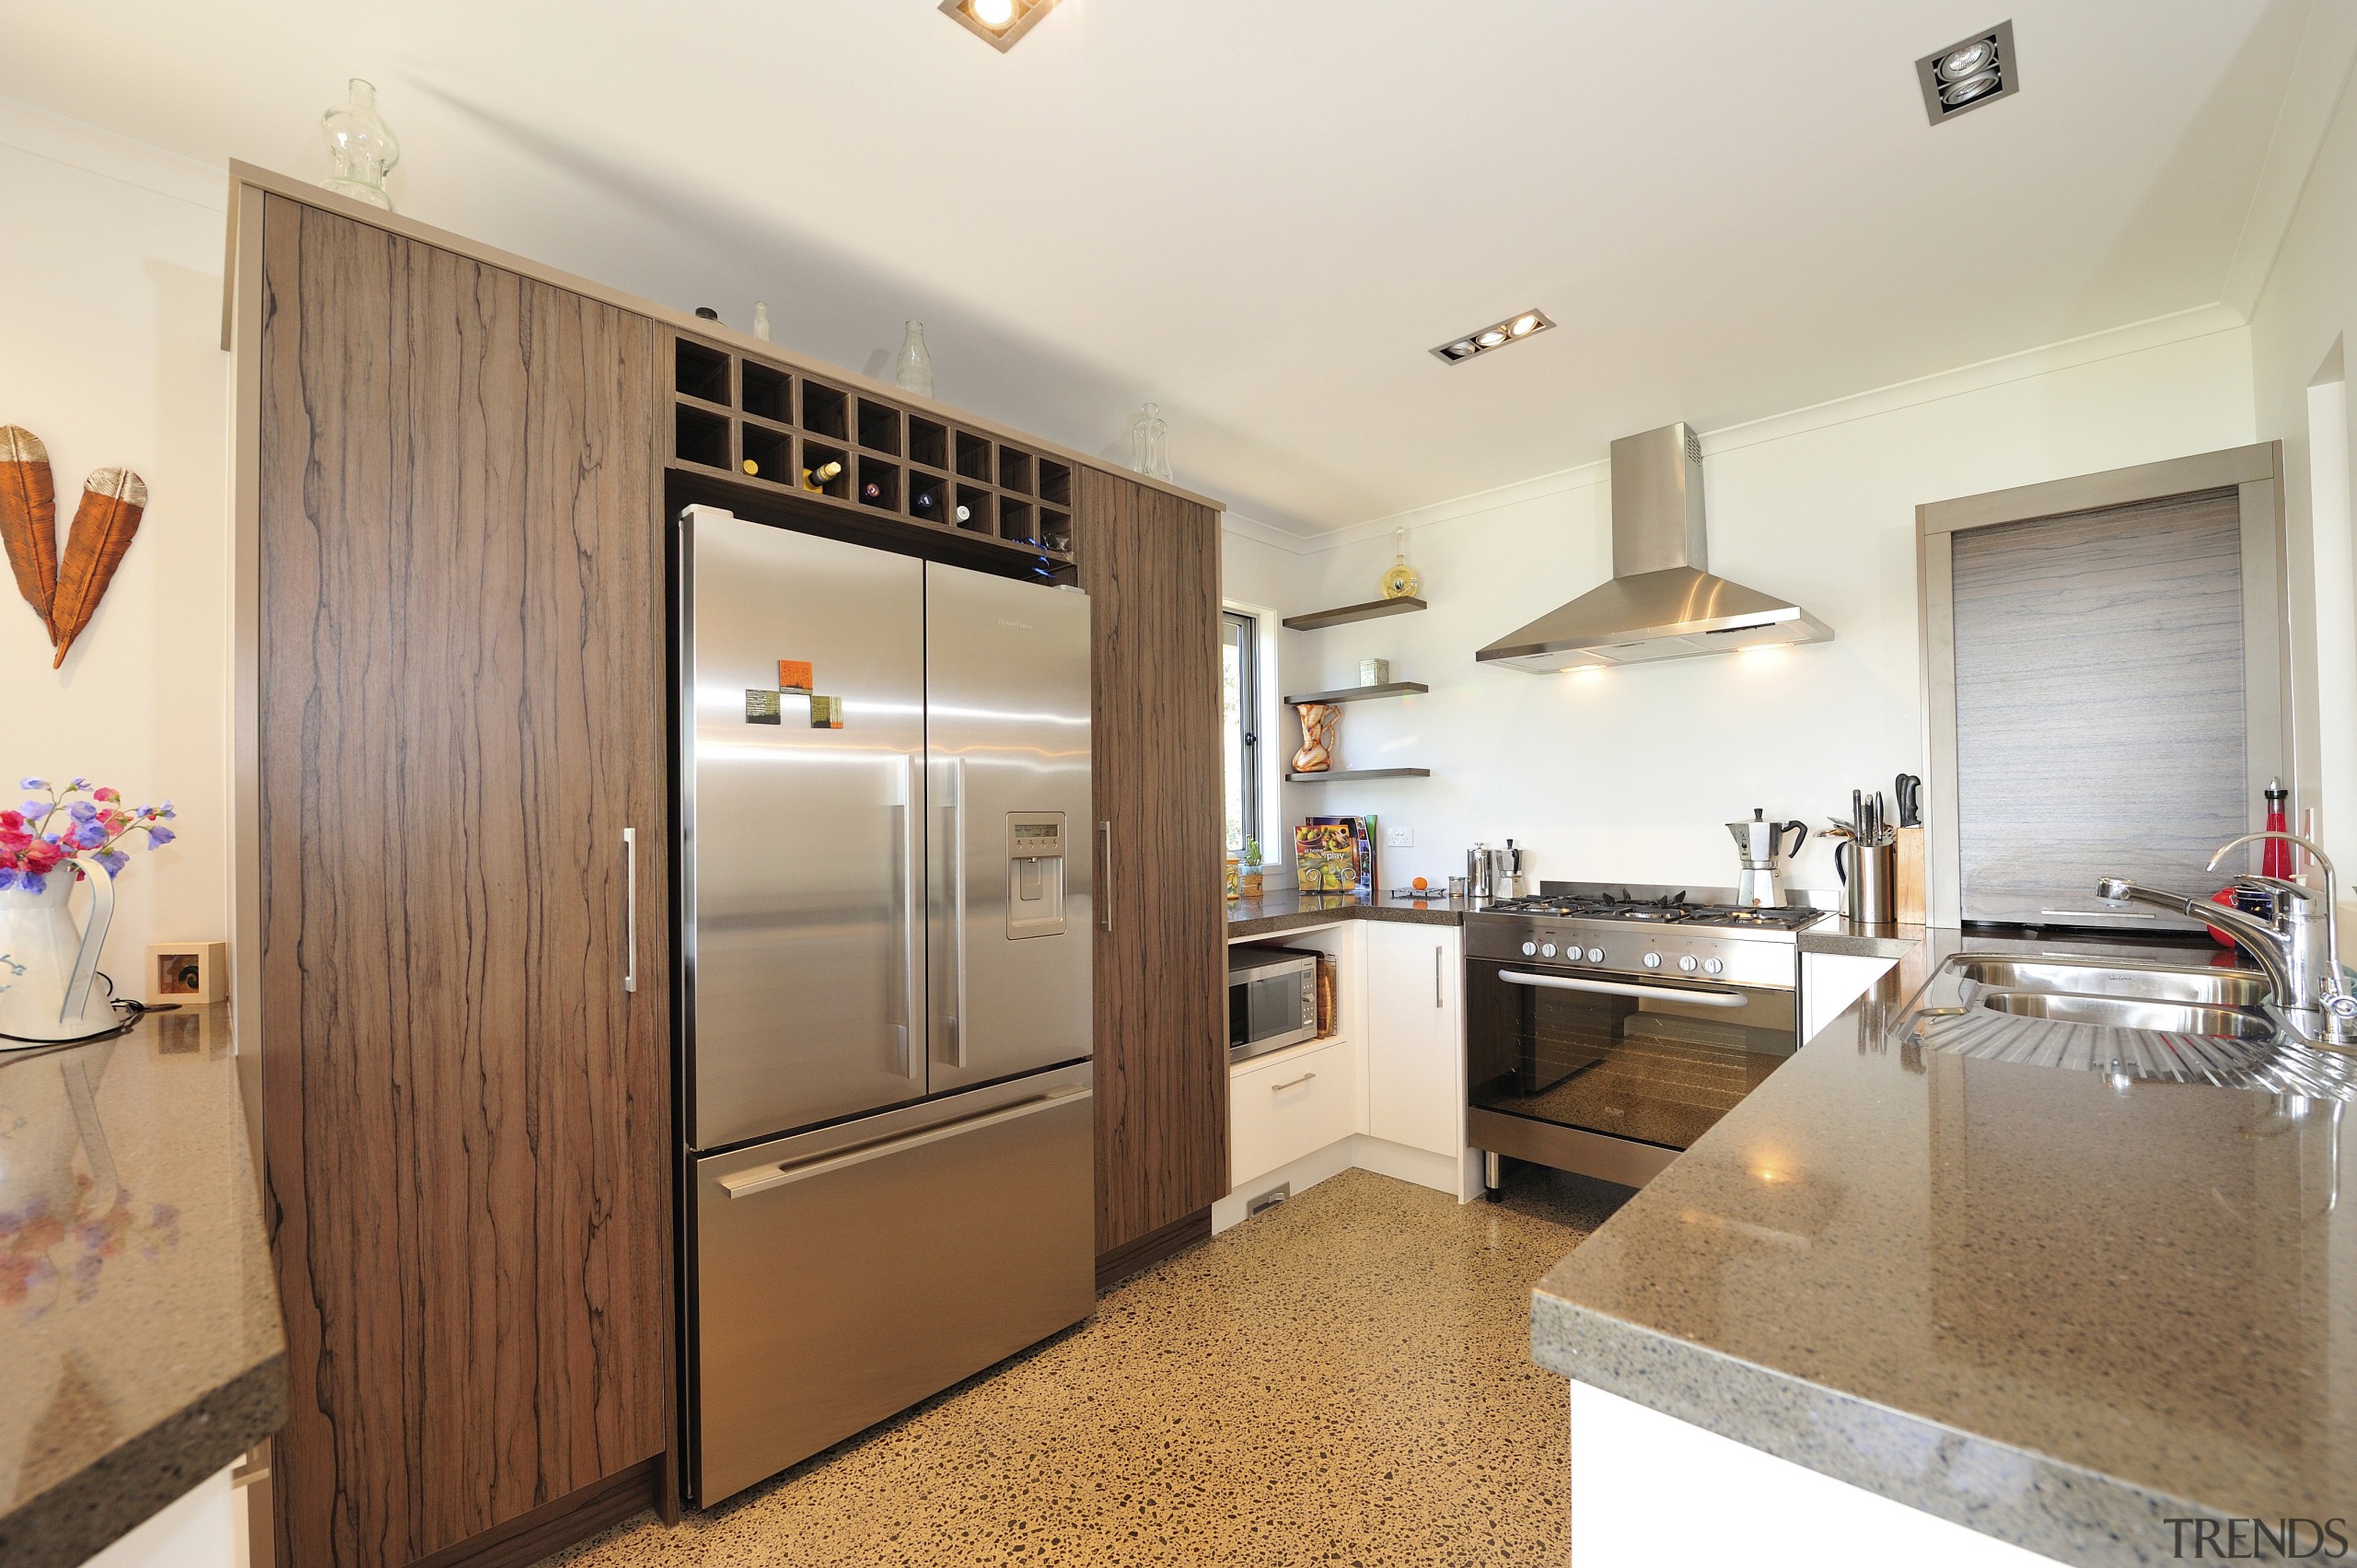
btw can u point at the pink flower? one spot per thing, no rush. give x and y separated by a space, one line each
106 793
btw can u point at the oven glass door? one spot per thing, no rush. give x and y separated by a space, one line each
1657 1060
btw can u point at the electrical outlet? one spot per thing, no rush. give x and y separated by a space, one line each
1399 838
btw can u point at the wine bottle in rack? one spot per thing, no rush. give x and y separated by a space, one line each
816 479
924 501
871 491
965 513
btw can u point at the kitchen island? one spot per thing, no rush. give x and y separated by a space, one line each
1905 1305
138 1322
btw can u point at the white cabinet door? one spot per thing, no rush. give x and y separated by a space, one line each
1295 1105
1415 1049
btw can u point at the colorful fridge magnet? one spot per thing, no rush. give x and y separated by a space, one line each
826 713
794 675
762 707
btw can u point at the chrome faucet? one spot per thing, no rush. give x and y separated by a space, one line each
2300 953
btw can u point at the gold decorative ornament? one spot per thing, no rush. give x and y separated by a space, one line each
1402 581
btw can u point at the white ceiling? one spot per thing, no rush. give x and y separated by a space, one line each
1262 213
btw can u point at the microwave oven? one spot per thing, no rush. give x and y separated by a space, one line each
1272 1000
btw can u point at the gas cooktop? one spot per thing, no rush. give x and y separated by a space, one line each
1672 909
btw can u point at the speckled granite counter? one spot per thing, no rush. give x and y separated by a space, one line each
1291 910
139 1325
2016 1297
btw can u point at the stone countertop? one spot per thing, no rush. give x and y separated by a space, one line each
139 1320
1287 910
2016 1298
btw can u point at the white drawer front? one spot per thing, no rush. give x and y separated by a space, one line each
1277 1113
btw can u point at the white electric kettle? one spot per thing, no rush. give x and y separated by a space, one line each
49 970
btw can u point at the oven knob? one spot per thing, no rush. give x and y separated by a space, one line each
1653 961
1596 955
1688 964
1714 966
1547 950
1530 949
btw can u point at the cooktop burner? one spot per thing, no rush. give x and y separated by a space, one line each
1671 910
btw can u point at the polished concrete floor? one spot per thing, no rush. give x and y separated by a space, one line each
1344 1380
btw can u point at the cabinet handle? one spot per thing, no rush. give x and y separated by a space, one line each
1105 883
1294 1084
1436 954
630 909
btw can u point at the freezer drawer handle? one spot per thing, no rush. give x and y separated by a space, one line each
630 909
747 1183
1620 987
1293 1083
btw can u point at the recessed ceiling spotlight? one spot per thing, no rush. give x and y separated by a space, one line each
997 22
1979 70
1514 329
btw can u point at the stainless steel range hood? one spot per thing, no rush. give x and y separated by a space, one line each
1662 602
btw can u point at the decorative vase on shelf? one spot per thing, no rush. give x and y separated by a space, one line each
1318 722
1402 581
762 320
1150 443
913 372
361 146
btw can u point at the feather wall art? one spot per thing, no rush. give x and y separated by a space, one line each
63 590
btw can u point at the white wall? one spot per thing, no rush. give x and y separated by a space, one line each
1627 774
110 351
2307 308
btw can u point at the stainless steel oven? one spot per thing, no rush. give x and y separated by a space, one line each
1608 1048
1272 1000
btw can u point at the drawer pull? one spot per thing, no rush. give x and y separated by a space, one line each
1291 1083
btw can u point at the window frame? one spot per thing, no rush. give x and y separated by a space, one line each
1249 703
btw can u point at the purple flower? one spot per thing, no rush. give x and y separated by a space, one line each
7 877
37 810
158 837
90 835
82 811
114 860
32 783
79 784
165 810
32 882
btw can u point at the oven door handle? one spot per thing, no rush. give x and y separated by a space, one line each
1623 988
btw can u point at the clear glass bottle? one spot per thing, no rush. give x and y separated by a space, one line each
913 372
1150 443
361 146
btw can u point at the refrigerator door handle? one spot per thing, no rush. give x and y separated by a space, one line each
956 1019
747 1183
912 918
630 910
1105 883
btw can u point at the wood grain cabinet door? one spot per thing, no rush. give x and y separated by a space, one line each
461 712
1150 562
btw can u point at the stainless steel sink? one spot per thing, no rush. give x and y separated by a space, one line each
2132 1012
2128 1018
2208 987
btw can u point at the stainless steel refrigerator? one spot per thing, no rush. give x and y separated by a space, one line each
884 893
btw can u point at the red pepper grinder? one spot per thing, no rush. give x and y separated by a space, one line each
2275 859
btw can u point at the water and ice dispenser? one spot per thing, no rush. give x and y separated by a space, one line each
1035 874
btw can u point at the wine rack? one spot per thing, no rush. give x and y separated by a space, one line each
778 430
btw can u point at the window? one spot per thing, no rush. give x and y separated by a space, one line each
1239 697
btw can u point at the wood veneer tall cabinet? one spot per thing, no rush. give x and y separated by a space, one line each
459 709
1150 561
453 472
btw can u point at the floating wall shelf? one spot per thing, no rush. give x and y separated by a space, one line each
1348 775
1360 693
1317 621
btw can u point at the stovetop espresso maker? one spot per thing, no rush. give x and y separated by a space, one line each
1761 843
